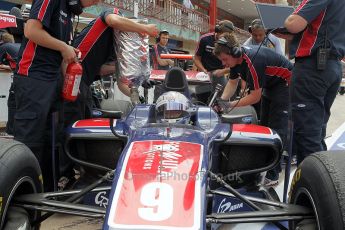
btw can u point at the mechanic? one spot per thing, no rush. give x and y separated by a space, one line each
267 75
204 58
161 48
317 44
8 57
37 79
98 57
161 64
258 36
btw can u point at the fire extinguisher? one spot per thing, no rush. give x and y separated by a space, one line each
72 80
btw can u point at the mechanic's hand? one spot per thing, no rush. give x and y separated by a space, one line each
221 106
69 54
151 29
147 84
218 73
170 62
142 100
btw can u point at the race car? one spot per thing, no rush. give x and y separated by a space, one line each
173 165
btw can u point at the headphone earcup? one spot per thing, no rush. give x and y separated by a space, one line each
250 29
236 52
217 29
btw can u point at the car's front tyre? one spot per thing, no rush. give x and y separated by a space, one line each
319 183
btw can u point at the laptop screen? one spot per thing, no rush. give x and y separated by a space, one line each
273 16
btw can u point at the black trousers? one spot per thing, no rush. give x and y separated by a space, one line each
274 114
313 93
11 105
36 101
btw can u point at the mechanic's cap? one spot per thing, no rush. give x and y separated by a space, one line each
225 26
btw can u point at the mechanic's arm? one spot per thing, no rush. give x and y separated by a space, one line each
221 72
278 47
250 99
35 32
198 64
230 89
124 24
5 67
295 23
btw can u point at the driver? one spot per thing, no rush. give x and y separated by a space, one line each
173 107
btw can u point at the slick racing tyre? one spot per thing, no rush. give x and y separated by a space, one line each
319 184
19 174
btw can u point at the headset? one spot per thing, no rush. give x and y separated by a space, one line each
235 51
75 6
158 38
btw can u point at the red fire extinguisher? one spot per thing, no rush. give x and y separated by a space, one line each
72 81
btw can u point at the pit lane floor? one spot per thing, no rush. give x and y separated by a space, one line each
63 222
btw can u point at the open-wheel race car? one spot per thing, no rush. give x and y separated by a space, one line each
173 165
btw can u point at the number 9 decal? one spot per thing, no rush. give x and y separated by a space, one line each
157 199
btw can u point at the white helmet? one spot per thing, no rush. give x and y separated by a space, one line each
172 107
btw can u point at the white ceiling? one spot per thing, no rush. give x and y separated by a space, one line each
244 9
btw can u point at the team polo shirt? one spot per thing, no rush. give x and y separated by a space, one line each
8 54
205 49
96 43
157 51
322 16
37 61
270 41
267 70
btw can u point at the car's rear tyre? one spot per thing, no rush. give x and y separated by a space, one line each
319 183
19 174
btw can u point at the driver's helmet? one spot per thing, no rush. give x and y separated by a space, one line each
173 107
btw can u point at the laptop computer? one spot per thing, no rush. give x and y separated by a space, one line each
273 16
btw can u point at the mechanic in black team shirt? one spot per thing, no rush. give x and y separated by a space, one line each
267 75
204 58
319 29
8 57
37 79
161 48
96 44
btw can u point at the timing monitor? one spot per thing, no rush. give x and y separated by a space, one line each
273 16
